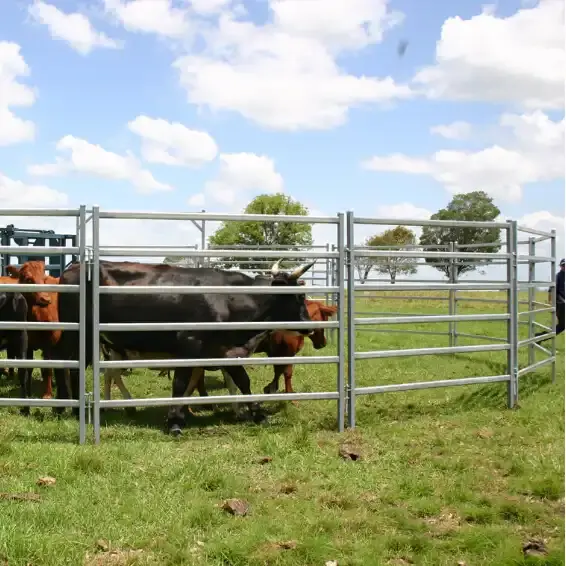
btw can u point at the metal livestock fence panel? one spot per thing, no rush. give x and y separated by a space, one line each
337 282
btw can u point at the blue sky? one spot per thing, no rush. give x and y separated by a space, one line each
324 136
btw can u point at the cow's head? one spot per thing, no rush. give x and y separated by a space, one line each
319 312
291 308
32 273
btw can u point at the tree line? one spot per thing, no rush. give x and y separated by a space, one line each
472 206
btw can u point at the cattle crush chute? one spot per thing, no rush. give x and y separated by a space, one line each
333 280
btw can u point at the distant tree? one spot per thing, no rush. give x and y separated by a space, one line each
399 238
473 206
288 234
187 261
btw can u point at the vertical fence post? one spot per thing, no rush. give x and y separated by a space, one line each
351 281
333 281
82 321
513 322
96 321
451 298
341 349
328 296
532 291
553 291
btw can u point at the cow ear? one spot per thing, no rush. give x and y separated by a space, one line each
13 270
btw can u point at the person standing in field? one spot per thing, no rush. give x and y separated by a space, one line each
560 301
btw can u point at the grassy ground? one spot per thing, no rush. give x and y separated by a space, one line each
445 475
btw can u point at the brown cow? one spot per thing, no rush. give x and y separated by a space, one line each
3 337
279 344
42 307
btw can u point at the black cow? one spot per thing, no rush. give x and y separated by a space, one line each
160 307
13 308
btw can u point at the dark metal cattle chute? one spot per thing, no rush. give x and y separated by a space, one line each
334 279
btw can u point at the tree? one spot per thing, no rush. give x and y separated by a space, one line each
473 206
289 235
398 238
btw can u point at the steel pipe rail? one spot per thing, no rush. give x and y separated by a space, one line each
169 326
534 258
49 403
534 339
547 235
218 362
179 252
143 215
39 251
401 331
430 351
432 318
537 311
40 288
431 384
436 287
39 212
536 366
53 364
481 337
439 223
439 255
214 290
219 399
39 326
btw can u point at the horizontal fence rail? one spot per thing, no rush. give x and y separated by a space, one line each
333 278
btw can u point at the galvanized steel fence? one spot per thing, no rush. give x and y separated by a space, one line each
340 287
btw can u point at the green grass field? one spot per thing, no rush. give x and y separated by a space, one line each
446 476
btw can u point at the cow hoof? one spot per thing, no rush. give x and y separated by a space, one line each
269 390
24 411
259 417
175 431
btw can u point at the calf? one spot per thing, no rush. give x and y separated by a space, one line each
42 307
13 308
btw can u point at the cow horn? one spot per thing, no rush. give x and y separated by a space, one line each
301 270
275 267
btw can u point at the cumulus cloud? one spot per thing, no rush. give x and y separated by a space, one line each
240 175
158 17
454 131
515 59
91 159
74 28
262 72
172 143
14 93
535 153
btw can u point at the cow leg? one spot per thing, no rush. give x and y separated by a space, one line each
288 375
242 380
196 382
175 417
46 376
273 386
117 377
233 390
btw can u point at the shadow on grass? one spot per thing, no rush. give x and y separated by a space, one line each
488 396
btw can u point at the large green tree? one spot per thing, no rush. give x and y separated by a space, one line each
289 235
398 238
473 206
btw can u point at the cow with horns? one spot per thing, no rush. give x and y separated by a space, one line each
179 308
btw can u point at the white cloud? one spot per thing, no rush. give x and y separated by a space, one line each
545 221
262 72
16 194
454 131
340 23
173 143
209 7
150 16
535 153
516 59
240 175
14 93
91 159
73 28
